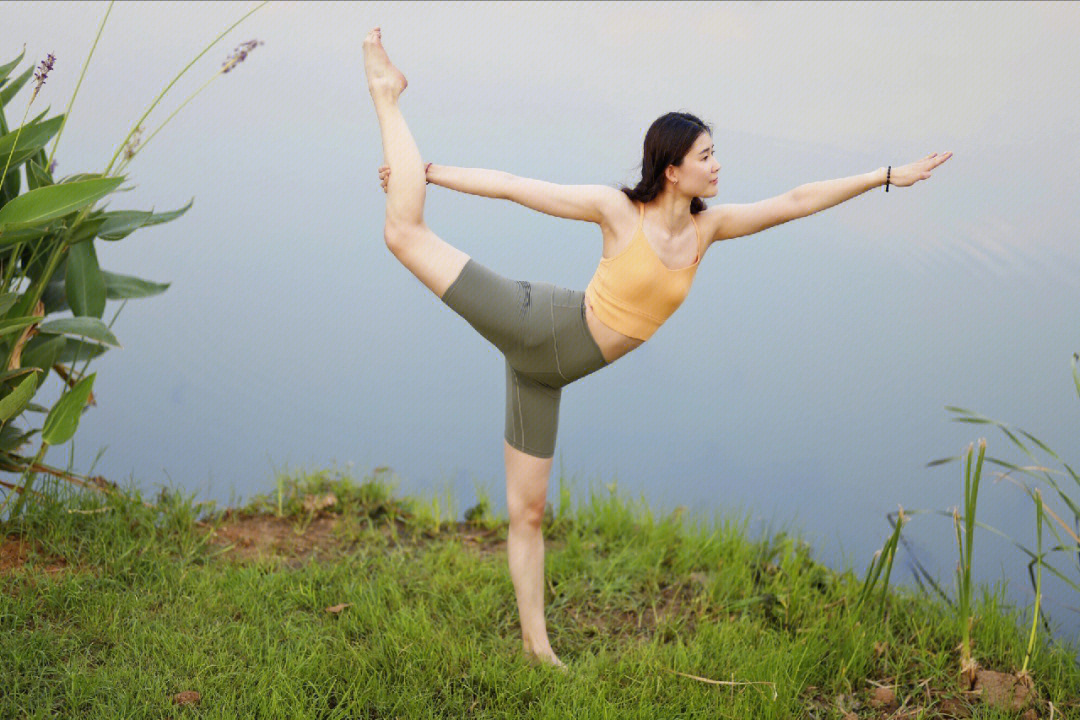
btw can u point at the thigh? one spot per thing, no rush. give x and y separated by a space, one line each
433 261
532 414
494 305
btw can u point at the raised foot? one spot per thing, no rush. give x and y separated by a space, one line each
382 76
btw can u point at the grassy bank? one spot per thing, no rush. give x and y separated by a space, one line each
332 598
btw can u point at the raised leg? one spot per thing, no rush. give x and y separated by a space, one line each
431 259
526 492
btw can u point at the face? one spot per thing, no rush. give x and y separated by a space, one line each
698 175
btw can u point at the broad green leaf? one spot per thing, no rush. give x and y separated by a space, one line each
121 287
88 228
16 400
14 86
8 374
33 138
77 177
37 206
13 237
36 175
78 351
122 223
85 287
63 419
7 300
5 70
54 296
11 325
42 352
118 225
171 215
87 327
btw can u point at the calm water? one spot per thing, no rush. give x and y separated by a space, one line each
803 381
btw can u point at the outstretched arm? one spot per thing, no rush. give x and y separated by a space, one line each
731 221
591 203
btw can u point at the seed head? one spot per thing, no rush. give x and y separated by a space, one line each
42 73
129 149
239 54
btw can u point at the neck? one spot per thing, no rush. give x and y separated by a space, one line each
671 209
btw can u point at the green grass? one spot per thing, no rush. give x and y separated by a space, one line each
148 603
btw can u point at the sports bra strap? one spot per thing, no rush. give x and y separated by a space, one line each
698 232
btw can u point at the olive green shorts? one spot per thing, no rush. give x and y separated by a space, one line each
540 330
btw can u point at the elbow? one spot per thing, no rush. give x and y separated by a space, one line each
798 204
505 185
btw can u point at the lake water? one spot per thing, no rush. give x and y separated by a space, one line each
803 382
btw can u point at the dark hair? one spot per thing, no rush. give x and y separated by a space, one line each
668 140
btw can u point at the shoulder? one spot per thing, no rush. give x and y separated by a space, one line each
709 222
616 208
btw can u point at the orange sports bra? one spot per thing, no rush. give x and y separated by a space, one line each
634 292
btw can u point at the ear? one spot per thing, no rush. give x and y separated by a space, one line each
671 173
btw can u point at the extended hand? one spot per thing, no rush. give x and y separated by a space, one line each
907 175
384 174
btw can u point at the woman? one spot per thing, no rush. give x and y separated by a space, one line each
654 238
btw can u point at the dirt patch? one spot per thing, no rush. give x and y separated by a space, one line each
260 536
16 553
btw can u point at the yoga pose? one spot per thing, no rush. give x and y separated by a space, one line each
655 236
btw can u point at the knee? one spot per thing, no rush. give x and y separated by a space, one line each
398 234
527 514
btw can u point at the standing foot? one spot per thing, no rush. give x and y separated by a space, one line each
383 78
545 657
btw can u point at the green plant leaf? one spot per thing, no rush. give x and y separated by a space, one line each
38 206
5 70
7 301
87 327
13 237
63 419
12 438
120 287
78 350
1076 374
54 296
42 353
171 215
88 228
121 223
10 89
8 374
84 286
37 176
16 400
11 325
31 140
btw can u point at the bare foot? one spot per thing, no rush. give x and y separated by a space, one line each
547 658
382 76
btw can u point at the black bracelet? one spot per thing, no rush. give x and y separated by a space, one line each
887 174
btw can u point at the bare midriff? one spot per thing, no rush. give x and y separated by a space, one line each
613 344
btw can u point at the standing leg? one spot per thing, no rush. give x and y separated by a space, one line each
432 260
526 492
